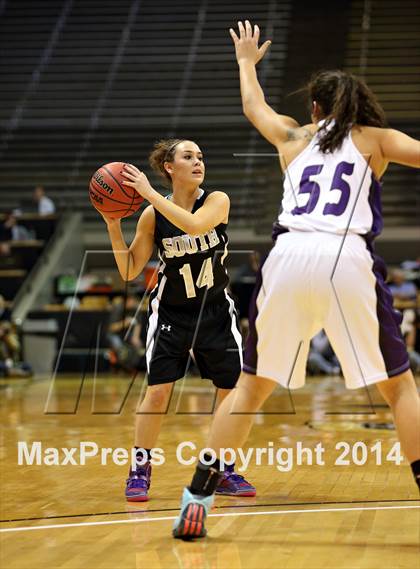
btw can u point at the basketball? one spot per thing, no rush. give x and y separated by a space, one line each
108 194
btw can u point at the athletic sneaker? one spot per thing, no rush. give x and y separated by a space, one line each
138 483
190 522
232 484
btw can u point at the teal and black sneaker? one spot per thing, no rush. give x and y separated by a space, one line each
190 522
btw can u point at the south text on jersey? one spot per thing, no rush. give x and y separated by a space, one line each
189 244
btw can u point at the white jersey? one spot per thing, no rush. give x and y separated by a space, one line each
335 192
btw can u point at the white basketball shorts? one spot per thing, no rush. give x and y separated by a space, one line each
314 280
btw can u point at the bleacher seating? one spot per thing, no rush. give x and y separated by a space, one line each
120 77
384 47
93 81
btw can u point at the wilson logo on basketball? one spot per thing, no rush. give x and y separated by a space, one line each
97 176
95 197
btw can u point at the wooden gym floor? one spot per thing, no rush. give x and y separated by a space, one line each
312 516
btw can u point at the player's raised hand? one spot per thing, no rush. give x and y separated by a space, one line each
137 180
246 45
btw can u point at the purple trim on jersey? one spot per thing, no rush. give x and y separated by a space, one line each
391 341
374 199
250 351
277 230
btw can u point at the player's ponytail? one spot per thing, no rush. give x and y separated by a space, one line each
345 100
163 151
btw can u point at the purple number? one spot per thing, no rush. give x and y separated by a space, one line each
339 184
308 186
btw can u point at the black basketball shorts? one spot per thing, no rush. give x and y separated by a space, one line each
212 339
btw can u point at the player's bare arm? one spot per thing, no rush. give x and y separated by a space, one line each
399 148
214 211
276 128
132 260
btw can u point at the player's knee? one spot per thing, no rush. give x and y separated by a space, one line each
158 395
395 388
256 388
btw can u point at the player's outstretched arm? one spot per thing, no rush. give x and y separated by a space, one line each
399 147
274 127
132 260
214 211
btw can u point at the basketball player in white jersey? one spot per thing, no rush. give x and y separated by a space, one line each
322 271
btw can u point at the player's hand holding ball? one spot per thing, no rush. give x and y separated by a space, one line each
110 220
137 180
246 45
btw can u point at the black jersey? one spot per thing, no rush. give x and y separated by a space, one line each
191 266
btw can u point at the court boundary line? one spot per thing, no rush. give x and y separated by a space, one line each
221 515
238 506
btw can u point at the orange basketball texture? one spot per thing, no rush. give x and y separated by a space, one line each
108 194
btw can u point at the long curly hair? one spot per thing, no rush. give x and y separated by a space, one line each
345 100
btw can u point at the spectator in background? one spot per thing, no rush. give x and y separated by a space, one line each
404 293
321 357
9 343
124 334
11 231
4 249
410 265
412 271
10 349
45 204
401 288
5 314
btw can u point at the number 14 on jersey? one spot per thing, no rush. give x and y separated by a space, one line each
205 278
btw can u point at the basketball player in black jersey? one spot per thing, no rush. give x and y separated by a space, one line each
190 309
